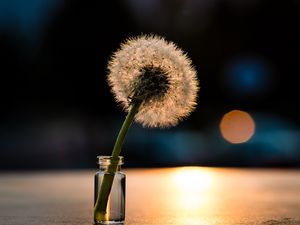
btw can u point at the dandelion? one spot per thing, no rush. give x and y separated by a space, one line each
155 82
158 73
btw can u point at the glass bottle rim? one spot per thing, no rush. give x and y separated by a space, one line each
104 160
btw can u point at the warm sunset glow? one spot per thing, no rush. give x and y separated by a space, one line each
192 179
237 126
192 185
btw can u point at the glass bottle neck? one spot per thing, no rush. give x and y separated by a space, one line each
104 168
107 163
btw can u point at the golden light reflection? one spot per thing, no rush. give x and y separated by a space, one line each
193 187
209 196
237 126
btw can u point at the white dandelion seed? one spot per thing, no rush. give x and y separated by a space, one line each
159 75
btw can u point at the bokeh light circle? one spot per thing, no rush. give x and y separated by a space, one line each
237 126
248 76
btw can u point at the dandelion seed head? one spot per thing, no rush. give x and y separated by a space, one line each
159 75
151 84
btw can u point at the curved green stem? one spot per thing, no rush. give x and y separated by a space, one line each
127 123
106 184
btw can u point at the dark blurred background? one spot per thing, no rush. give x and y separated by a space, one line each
57 111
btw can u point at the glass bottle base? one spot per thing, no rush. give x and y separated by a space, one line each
109 223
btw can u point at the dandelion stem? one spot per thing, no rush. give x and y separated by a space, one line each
106 184
127 123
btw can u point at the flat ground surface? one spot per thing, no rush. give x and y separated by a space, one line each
175 196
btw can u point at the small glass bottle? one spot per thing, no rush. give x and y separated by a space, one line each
115 211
